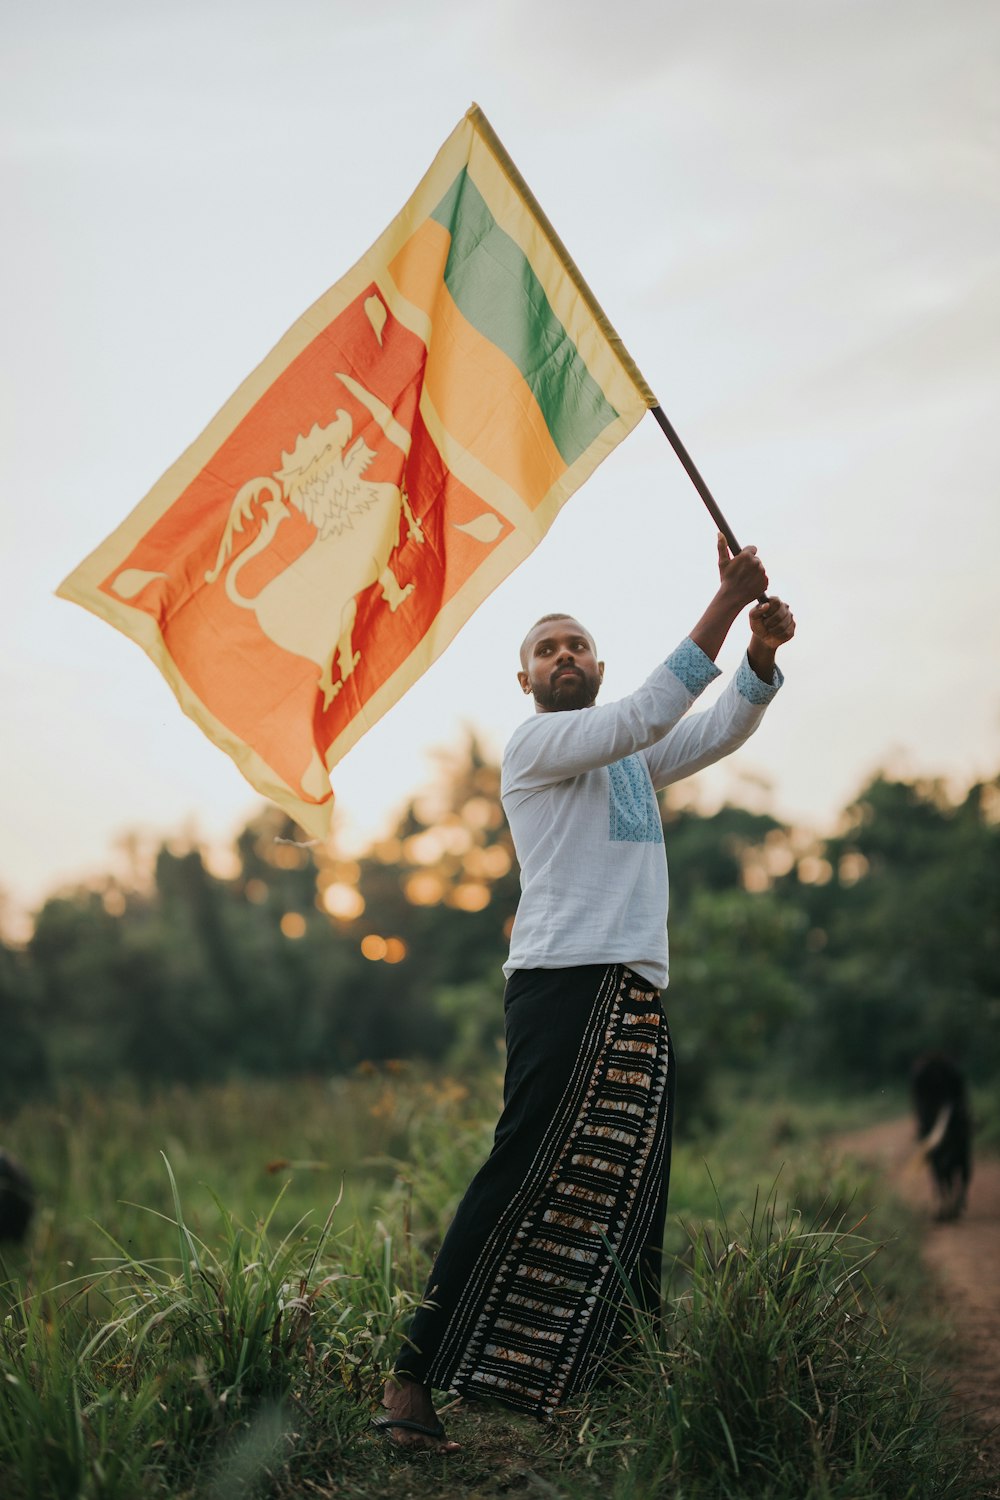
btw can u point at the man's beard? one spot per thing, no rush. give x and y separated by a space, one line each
566 692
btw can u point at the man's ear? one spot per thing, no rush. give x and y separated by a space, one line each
600 671
522 678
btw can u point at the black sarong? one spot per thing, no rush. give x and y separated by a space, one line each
561 1228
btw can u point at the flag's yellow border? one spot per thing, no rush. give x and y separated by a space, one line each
475 144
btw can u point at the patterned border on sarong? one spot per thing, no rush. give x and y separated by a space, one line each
540 1308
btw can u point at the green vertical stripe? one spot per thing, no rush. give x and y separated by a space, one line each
491 280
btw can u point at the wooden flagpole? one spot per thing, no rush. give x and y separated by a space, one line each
699 483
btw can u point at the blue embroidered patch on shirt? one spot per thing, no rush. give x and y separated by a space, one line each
634 815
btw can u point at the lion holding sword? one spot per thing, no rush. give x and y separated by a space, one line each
311 606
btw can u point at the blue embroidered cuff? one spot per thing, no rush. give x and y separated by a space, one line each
692 667
749 685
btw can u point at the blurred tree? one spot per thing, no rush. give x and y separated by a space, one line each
445 886
24 1062
84 1014
734 986
843 959
706 852
904 941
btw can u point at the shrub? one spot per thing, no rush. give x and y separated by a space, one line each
775 1376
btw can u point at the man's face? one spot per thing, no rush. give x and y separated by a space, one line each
559 666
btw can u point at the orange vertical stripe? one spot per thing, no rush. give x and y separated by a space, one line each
470 381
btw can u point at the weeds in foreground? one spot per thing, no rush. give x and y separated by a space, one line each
242 1315
774 1375
69 1426
225 1349
239 1354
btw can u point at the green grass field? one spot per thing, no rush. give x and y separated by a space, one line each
216 1279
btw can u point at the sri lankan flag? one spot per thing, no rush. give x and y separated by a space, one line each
406 444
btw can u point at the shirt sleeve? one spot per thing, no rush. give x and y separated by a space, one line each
553 747
706 737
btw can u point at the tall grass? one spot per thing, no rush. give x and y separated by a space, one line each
204 1349
96 1157
211 1341
774 1375
70 1426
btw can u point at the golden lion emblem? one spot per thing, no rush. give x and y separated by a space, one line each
311 606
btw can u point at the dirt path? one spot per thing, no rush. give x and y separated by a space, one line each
965 1257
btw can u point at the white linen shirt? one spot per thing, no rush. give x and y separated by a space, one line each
578 790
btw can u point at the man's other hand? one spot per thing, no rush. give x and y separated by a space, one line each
772 624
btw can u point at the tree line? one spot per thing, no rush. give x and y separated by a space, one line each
837 960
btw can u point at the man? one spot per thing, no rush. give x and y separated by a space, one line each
527 1295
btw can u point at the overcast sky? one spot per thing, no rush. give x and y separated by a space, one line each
789 208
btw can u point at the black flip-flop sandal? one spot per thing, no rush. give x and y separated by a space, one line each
384 1426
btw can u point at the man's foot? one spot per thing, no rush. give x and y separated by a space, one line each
410 1403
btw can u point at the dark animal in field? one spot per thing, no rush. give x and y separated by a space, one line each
944 1129
17 1199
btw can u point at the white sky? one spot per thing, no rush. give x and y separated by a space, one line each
789 208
